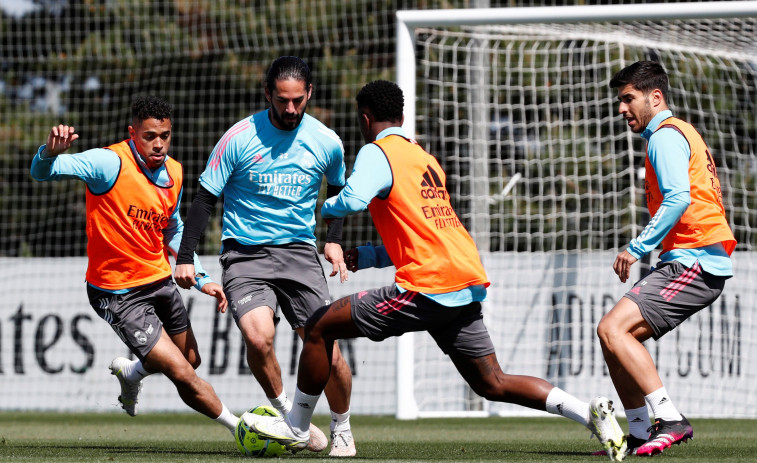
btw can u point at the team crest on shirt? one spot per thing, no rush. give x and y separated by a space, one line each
308 160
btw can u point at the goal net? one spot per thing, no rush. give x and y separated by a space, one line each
549 180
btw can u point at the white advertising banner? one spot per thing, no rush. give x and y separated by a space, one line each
542 313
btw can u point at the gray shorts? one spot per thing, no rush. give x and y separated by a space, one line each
290 275
138 316
384 312
671 293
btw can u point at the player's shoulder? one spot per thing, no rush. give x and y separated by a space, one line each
321 132
241 131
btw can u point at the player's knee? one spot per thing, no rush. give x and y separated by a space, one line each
607 332
260 345
180 373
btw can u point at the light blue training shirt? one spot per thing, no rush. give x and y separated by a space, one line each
270 178
99 169
372 177
669 152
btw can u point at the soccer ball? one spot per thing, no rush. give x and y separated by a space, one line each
249 443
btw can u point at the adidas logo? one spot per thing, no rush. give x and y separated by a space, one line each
637 420
303 405
432 185
662 401
559 409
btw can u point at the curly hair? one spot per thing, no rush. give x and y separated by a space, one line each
384 99
288 67
145 107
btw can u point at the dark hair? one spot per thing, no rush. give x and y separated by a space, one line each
384 99
644 76
288 67
145 107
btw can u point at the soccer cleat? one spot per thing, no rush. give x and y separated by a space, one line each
318 441
603 424
129 389
276 428
632 443
664 434
342 444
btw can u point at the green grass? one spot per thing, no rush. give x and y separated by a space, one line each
56 437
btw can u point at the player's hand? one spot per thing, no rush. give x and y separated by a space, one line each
350 259
622 265
59 140
185 275
215 290
333 253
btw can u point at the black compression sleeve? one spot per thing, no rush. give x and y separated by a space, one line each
334 227
194 225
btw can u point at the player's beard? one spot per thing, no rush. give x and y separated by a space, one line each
288 122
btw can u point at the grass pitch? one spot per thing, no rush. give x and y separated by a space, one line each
164 437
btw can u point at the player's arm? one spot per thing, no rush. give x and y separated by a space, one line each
190 274
371 177
367 256
335 178
98 167
212 182
669 154
332 250
188 269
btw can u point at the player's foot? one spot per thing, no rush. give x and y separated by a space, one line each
664 434
276 428
342 444
129 389
604 425
318 441
632 443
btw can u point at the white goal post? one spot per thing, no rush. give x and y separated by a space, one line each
563 170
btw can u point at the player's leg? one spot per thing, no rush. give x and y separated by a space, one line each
177 353
258 330
325 326
165 357
122 313
252 301
663 299
467 342
187 345
621 333
302 289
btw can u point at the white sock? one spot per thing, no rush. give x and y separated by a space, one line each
282 403
302 411
638 422
340 422
662 405
135 371
227 418
560 402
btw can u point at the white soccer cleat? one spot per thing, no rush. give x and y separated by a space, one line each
129 389
318 441
604 425
342 444
276 428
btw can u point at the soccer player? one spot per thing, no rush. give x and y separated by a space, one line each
269 167
133 193
439 283
688 219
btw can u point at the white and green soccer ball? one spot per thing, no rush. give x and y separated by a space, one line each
249 443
